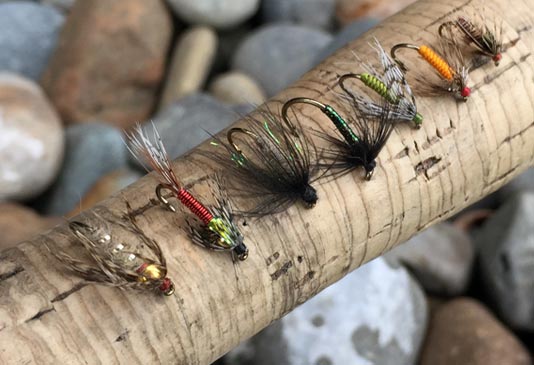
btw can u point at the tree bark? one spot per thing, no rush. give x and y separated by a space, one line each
463 152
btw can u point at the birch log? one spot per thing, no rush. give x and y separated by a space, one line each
463 152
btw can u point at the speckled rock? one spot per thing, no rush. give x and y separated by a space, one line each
110 61
374 316
463 331
28 35
186 123
31 139
19 223
506 249
237 88
92 151
220 14
279 54
313 13
441 258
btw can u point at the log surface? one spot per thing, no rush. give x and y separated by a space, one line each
463 152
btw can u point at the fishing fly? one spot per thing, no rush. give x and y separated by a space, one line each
398 92
269 163
214 227
355 147
451 72
115 262
484 41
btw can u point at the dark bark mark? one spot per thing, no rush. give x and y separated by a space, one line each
269 260
11 273
40 314
424 166
123 336
65 294
405 152
282 271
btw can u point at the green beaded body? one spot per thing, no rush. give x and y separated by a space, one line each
341 125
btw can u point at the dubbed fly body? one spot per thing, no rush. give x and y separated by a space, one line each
216 229
268 163
398 92
115 262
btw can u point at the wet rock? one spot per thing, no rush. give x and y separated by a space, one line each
237 88
463 331
92 151
191 64
440 258
110 61
349 10
31 139
220 14
279 54
506 248
375 315
19 223
313 13
28 35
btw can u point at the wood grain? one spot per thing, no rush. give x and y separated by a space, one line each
463 152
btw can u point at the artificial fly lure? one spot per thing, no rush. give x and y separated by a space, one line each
216 229
484 41
113 262
356 147
449 66
269 164
398 92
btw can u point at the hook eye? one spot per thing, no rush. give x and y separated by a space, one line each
162 199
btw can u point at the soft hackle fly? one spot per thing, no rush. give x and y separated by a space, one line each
215 229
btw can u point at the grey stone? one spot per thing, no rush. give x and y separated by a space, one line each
506 249
28 35
92 151
63 5
346 35
221 14
314 13
277 55
375 315
523 182
440 258
187 122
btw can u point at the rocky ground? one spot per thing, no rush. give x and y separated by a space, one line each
73 74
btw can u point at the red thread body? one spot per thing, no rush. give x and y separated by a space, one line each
194 206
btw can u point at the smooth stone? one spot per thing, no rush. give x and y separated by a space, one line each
505 247
278 54
221 14
106 186
28 36
375 315
191 63
31 139
92 151
19 223
313 13
523 182
463 331
188 122
348 11
110 61
237 88
349 33
441 258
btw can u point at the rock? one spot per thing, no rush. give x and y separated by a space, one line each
279 54
237 88
110 61
345 36
463 331
106 186
523 182
440 258
313 13
179 124
92 151
505 246
221 14
19 223
375 315
190 65
31 139
28 37
349 10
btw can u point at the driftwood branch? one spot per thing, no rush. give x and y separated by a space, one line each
463 152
